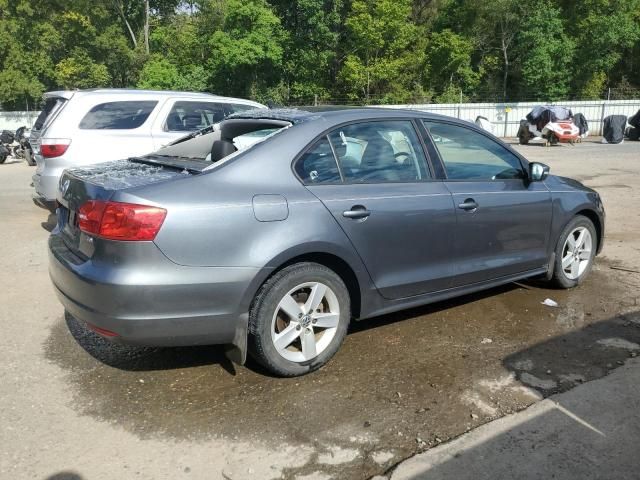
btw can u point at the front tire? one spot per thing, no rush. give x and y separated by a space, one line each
575 252
299 319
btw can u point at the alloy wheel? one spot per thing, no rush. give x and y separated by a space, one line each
305 321
576 253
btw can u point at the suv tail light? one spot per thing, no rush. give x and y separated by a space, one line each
54 147
120 221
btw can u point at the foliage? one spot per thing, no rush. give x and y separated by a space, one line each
80 71
546 53
383 57
246 53
449 63
296 51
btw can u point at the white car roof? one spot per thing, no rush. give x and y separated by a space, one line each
125 92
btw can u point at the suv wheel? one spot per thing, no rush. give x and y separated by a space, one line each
575 252
299 319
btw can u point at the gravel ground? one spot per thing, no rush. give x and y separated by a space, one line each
72 404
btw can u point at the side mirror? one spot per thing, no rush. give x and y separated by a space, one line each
538 171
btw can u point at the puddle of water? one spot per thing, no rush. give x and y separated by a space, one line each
397 378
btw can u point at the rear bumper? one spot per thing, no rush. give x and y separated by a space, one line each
46 186
162 304
44 203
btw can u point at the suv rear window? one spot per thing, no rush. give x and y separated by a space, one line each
50 106
117 115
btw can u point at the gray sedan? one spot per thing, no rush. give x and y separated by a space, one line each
274 231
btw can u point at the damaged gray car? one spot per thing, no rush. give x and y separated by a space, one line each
275 231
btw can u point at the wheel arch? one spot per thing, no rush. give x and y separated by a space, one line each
597 223
332 261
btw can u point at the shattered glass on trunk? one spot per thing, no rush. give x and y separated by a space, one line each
122 174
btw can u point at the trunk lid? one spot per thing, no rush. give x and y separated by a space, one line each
100 182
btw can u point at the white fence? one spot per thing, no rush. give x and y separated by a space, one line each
14 120
505 117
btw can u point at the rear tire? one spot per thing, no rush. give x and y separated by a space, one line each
299 319
29 158
575 252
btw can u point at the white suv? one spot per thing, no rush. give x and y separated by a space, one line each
90 126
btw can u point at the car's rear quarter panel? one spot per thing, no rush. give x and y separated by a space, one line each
211 221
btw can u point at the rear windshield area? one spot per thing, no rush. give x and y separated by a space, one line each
125 115
215 144
50 107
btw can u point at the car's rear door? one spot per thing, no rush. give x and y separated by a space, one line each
382 194
504 220
180 116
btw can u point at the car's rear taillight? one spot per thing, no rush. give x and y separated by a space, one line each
120 221
54 147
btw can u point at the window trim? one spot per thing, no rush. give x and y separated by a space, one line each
326 132
306 150
523 162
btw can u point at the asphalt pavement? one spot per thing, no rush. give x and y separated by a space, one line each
73 404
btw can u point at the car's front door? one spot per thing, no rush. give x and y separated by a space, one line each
503 219
382 195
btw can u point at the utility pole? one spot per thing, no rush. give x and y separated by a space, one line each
146 26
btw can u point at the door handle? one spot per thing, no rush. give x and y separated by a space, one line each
470 205
357 212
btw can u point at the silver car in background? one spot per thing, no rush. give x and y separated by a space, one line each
85 127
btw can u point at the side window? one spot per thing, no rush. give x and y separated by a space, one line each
318 165
188 116
239 107
469 155
379 152
118 115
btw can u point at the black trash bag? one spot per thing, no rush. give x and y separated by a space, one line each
634 120
4 153
581 122
7 136
633 133
613 128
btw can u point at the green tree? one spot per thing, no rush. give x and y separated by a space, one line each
158 74
383 55
246 54
546 54
449 65
310 52
80 71
608 33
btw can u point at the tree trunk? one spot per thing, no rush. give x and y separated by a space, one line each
146 26
120 9
505 77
